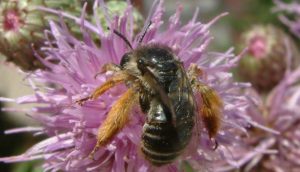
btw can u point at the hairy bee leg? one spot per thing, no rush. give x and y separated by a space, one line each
212 104
81 101
111 67
113 81
216 144
116 119
211 108
108 67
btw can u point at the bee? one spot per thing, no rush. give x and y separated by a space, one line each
157 81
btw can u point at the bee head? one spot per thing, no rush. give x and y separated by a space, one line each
155 57
129 63
125 59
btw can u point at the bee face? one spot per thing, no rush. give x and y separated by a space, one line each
126 59
131 63
155 57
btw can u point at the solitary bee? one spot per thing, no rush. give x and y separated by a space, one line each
157 80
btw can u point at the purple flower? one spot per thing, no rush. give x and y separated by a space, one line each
71 129
276 150
290 8
283 115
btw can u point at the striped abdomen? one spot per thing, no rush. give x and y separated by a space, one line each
162 142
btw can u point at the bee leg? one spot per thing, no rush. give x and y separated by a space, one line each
113 81
108 67
116 119
216 144
211 106
210 109
81 101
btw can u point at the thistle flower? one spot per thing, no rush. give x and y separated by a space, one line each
264 64
293 9
274 151
71 129
287 143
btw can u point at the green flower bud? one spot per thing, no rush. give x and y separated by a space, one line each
117 7
22 27
265 62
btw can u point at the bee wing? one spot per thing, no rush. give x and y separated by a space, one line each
194 97
209 103
152 79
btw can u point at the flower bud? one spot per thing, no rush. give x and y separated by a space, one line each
118 8
22 27
266 61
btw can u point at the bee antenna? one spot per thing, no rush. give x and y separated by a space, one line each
140 41
122 37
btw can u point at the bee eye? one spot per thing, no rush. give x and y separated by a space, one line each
140 62
125 59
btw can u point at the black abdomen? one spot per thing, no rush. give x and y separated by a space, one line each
162 141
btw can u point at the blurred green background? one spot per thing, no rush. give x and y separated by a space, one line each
242 15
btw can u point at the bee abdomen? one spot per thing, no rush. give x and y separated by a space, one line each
158 158
160 143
